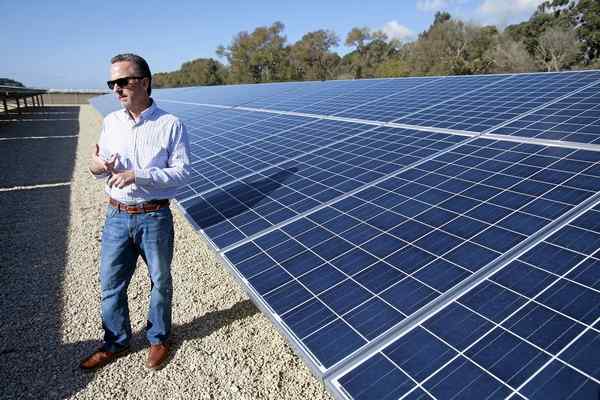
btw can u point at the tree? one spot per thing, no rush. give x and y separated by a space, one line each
584 17
557 49
510 56
202 71
452 47
311 58
260 56
358 38
372 48
529 31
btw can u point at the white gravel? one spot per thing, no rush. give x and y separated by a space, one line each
223 347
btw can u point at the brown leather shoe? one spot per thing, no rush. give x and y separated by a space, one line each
100 358
157 355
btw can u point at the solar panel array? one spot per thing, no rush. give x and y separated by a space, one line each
416 238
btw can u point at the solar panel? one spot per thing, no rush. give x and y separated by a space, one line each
492 105
349 156
575 119
290 101
329 101
529 331
407 102
412 238
233 95
397 246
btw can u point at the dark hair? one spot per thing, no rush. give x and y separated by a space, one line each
141 65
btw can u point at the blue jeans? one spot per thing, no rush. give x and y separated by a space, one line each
125 237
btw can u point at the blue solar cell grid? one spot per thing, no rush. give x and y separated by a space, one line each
383 88
243 208
574 119
205 122
105 104
531 331
249 150
329 101
232 95
314 93
492 105
217 140
347 273
410 101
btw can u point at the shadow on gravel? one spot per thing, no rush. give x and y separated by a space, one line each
28 161
34 363
198 328
33 245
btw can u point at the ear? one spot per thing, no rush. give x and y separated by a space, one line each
146 82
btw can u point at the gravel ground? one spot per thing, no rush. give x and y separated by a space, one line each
223 347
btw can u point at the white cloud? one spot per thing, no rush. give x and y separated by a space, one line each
438 5
394 30
505 11
432 5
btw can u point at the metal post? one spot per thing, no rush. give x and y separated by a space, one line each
5 105
18 106
25 101
42 97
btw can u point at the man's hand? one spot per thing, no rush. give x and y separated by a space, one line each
99 166
121 179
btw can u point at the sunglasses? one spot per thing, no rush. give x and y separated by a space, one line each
122 82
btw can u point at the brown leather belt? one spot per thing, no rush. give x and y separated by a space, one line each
149 206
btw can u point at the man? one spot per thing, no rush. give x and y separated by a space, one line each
143 154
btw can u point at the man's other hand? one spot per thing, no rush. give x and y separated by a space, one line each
121 179
99 166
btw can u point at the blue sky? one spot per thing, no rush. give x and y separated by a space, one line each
67 44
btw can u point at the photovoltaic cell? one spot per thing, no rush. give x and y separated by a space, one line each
384 88
217 139
345 274
530 331
232 95
252 149
495 104
243 208
574 119
410 101
293 100
211 122
105 104
331 100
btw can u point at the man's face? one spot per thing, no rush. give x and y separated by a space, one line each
134 94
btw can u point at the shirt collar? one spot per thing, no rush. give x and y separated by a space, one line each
148 112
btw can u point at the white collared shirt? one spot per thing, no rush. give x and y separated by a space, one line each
155 147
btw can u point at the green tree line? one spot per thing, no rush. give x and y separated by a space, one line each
560 35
